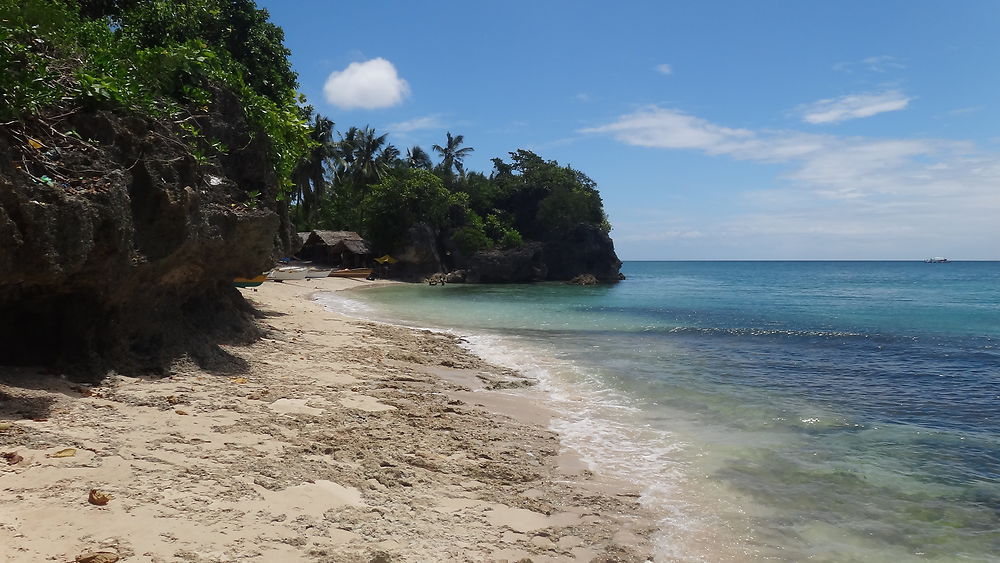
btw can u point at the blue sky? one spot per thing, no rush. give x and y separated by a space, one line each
715 130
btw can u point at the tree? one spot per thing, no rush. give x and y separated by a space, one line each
417 157
452 156
400 201
310 177
363 157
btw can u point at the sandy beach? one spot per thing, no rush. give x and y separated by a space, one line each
332 439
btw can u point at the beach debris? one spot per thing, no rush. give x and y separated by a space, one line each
99 498
239 380
12 458
178 411
97 557
173 400
68 452
35 143
5 426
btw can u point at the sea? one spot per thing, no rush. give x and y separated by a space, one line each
768 411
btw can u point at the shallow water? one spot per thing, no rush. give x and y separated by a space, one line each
788 411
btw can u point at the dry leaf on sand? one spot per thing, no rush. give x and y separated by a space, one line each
99 498
68 452
180 411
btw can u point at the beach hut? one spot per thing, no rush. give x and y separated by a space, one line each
345 249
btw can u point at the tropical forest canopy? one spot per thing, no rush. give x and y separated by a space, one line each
168 59
358 181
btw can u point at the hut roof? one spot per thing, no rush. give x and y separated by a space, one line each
350 240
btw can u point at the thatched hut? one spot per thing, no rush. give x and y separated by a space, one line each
337 248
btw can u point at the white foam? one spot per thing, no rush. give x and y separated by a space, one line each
602 425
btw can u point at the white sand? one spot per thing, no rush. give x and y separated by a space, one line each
345 441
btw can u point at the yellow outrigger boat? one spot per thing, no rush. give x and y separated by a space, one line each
250 282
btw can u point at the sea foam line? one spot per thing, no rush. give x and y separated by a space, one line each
592 420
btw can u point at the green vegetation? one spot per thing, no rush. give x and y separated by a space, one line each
369 187
173 60
160 58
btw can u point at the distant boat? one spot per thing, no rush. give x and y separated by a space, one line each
249 282
351 273
288 273
936 260
318 273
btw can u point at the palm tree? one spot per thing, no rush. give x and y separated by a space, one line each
310 178
417 157
451 155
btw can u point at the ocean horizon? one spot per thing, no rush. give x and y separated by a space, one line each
768 410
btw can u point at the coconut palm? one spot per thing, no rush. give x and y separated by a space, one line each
363 157
311 183
417 157
451 155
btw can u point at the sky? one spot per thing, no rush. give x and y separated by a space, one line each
715 130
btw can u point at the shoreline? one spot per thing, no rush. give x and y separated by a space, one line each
345 440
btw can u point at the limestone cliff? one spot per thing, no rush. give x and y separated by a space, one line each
117 246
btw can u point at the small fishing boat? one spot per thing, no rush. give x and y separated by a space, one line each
318 273
249 282
351 273
288 273
936 260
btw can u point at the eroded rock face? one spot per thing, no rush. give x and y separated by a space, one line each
523 264
117 248
584 251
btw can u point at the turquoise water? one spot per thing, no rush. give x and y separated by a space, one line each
786 411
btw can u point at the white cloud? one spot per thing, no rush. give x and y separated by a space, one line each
416 124
672 129
841 197
664 69
368 85
881 64
853 106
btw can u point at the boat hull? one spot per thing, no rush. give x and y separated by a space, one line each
283 274
249 282
351 273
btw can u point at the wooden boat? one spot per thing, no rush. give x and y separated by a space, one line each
318 273
351 273
249 282
288 273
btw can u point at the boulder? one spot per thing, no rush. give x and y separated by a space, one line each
583 279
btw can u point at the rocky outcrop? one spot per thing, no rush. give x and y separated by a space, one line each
420 257
523 264
117 247
584 251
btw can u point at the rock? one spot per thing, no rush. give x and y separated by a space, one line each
129 266
97 557
525 263
457 276
584 249
583 279
420 257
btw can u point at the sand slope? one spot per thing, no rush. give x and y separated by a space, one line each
345 441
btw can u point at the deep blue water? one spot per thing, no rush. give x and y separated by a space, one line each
823 411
